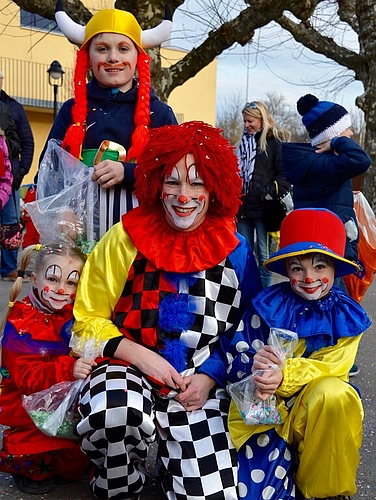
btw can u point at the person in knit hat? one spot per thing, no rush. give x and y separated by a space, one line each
321 172
306 441
112 114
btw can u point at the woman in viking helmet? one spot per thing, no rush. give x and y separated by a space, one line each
106 123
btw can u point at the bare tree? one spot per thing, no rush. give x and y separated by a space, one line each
223 24
230 120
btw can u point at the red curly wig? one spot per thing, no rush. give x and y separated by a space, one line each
215 161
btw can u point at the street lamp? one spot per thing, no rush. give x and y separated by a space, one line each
55 79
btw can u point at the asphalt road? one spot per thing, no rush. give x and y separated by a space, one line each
366 381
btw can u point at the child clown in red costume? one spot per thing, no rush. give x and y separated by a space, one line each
35 356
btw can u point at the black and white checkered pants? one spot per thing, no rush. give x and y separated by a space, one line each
120 418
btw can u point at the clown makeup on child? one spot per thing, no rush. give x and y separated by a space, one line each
311 276
315 447
185 197
55 280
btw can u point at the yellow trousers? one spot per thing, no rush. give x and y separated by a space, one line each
325 428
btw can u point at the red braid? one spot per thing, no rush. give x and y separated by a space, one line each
140 134
75 134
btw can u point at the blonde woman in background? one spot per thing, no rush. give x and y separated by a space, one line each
260 163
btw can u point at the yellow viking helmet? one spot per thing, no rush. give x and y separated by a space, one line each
113 21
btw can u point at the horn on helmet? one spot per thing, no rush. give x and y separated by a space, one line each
73 31
76 32
155 36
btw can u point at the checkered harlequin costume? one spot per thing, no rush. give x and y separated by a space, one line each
158 287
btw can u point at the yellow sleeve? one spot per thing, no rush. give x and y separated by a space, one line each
335 361
101 284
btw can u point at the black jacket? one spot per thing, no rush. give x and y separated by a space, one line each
22 156
268 168
8 126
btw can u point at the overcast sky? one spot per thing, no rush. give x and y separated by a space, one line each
273 63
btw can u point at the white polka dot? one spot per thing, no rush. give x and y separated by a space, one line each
263 440
287 454
255 321
257 344
242 346
274 455
240 327
257 475
280 472
244 358
243 490
230 358
268 492
240 374
248 451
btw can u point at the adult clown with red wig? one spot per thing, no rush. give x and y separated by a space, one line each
312 450
106 123
162 290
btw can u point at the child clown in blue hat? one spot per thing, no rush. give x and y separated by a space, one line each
314 452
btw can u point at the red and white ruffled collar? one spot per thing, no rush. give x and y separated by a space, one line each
179 251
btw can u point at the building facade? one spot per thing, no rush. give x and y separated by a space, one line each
30 44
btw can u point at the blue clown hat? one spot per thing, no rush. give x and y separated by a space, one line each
311 230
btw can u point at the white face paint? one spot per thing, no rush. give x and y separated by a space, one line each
184 196
311 276
57 280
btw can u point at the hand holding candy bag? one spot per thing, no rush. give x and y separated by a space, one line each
54 410
254 410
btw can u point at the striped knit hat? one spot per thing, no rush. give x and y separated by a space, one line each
323 120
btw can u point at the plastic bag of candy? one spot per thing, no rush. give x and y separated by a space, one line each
254 410
54 410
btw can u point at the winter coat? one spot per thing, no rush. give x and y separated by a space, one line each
8 126
22 157
267 169
111 117
323 180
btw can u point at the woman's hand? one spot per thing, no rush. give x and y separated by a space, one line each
108 173
150 363
197 391
82 367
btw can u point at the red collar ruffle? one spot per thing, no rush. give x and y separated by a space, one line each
180 251
39 325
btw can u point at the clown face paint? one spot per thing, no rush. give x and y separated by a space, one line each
113 59
57 281
311 276
184 196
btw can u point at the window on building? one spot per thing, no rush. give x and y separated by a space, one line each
36 22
